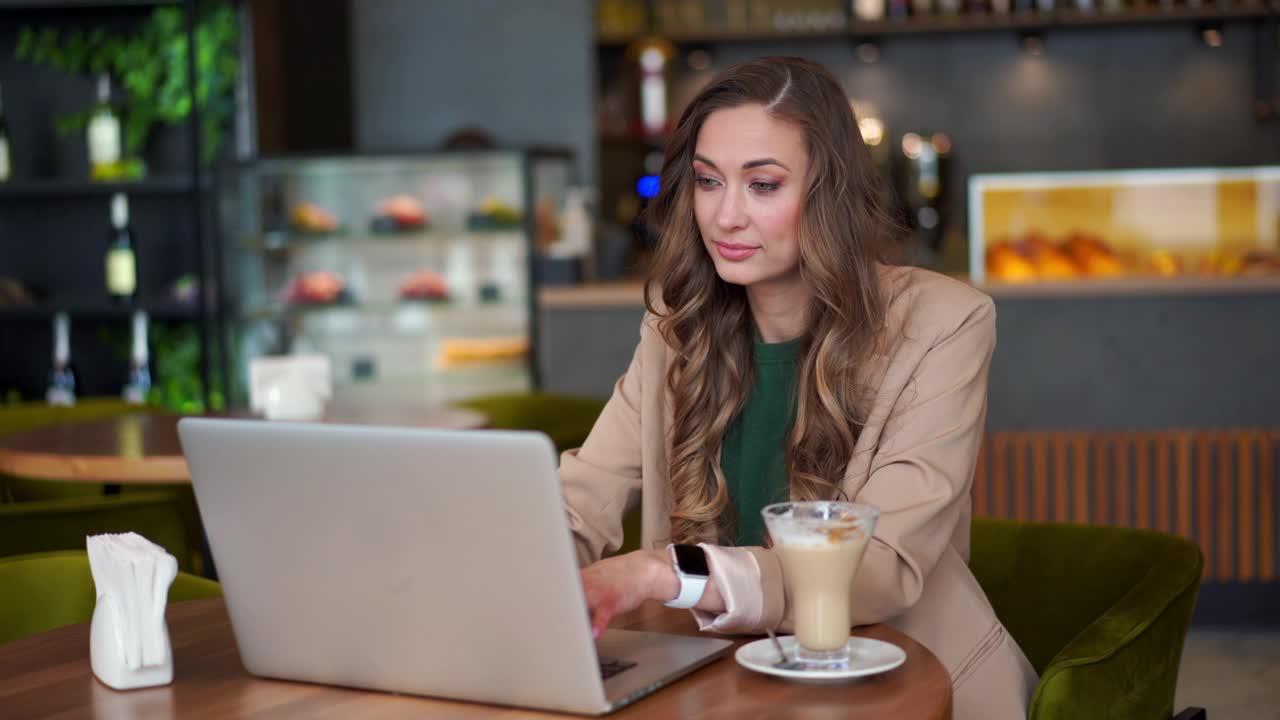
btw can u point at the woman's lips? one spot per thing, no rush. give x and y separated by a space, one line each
734 251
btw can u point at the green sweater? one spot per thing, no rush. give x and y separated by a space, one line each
753 455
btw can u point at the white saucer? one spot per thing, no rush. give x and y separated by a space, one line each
866 657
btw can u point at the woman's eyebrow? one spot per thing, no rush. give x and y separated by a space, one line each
763 161
746 165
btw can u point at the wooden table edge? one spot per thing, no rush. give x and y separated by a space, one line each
156 470
194 609
172 469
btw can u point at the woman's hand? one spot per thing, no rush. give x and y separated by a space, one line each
621 583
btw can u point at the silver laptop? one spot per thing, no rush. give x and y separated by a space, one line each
426 562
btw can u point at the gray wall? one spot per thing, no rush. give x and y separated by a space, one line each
1070 364
522 70
583 351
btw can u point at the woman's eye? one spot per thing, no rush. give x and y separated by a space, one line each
764 187
706 183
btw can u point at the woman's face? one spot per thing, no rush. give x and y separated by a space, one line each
749 175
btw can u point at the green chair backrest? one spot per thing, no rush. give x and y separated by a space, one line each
31 527
1048 582
43 591
20 489
567 419
32 415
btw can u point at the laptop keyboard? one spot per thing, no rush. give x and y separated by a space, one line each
610 667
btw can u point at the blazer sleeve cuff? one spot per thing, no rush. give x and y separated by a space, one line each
738 575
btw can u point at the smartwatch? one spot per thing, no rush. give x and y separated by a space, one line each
693 573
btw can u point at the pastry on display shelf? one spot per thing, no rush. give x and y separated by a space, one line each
1050 262
1165 264
1092 255
1006 264
468 352
1258 263
316 288
400 213
1034 257
493 214
311 218
427 285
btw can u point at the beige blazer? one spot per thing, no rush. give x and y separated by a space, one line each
914 461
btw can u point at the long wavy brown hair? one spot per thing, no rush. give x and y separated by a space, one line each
843 232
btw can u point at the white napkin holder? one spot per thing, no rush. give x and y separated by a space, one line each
128 639
290 387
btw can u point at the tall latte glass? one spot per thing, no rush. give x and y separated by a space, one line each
821 546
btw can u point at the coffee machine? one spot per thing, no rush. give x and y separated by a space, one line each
920 171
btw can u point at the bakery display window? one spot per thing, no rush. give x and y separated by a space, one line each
1104 225
412 273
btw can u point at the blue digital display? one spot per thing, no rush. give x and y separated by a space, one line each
648 186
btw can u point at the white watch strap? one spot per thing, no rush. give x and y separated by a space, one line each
691 588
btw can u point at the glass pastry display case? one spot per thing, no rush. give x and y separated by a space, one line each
412 273
1065 226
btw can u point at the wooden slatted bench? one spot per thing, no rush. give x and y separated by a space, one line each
1218 488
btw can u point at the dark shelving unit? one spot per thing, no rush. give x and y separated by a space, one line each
55 189
968 23
184 194
81 4
97 310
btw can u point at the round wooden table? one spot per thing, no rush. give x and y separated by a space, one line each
48 675
143 447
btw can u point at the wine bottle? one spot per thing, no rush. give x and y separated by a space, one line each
62 377
122 264
139 384
104 134
5 169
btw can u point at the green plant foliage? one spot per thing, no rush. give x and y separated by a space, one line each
151 65
175 366
176 370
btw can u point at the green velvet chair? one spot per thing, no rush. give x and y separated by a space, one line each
47 525
1101 612
566 419
44 591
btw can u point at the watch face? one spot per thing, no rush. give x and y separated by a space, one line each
692 560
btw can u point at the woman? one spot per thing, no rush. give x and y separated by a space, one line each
781 357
